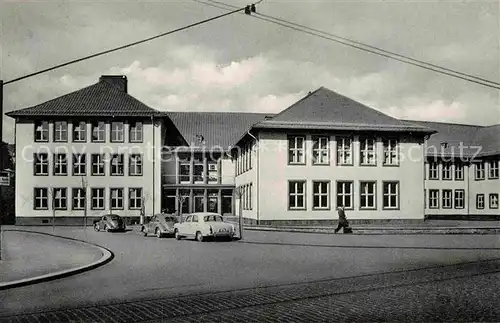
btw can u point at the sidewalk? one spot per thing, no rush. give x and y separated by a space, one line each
29 257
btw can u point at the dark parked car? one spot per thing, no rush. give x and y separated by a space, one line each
160 225
109 222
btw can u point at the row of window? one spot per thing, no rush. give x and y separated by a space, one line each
456 199
321 151
344 194
244 160
480 170
79 164
59 198
246 196
79 131
193 171
450 171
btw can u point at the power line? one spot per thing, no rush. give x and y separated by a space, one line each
370 49
123 47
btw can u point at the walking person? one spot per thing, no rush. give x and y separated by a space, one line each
343 223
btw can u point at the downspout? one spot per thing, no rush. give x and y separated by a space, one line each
154 158
426 137
257 170
469 165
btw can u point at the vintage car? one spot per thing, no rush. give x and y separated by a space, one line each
109 222
203 225
160 225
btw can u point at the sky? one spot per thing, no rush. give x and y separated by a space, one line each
239 63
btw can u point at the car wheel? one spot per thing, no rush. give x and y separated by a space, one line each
96 227
199 236
158 233
177 235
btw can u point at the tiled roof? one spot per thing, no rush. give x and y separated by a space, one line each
324 109
99 99
221 129
489 139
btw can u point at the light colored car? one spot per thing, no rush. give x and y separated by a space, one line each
204 225
109 222
160 225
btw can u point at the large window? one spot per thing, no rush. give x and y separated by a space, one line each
60 164
60 131
78 198
80 131
116 165
459 199
184 171
447 171
297 195
79 164
344 194
367 151
391 152
98 164
136 132
321 150
344 151
479 201
296 149
135 165
321 195
433 170
213 175
117 131
213 201
198 200
116 198
367 197
41 164
459 171
41 198
135 198
60 198
494 201
493 169
41 131
479 167
447 199
184 200
198 170
227 201
391 195
97 196
99 131
433 201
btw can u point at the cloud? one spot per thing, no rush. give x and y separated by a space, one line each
434 110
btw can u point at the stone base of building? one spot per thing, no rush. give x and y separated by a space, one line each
334 222
462 217
65 221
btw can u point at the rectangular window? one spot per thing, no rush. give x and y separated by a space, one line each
41 164
198 172
344 151
41 198
367 154
99 131
391 195
60 164
296 150
459 171
250 206
213 175
391 152
97 196
433 202
447 171
433 170
60 198
184 200
134 198
459 199
493 169
479 167
97 164
297 195
494 201
367 195
116 165
321 150
80 131
447 199
184 171
135 165
61 131
117 131
479 201
41 131
79 164
116 198
321 195
78 198
344 194
136 132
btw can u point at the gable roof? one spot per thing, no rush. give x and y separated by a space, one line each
100 99
489 139
325 109
220 129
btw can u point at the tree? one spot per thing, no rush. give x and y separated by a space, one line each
181 198
239 194
144 199
6 161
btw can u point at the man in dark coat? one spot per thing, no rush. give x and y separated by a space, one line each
342 219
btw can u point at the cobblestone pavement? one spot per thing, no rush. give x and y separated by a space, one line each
461 292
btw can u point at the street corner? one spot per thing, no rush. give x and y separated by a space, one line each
30 257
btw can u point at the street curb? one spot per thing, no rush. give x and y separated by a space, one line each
107 256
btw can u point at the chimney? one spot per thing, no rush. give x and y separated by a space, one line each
119 81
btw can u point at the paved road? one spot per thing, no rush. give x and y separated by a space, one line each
318 277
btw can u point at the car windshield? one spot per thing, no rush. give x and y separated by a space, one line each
170 219
114 217
213 218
